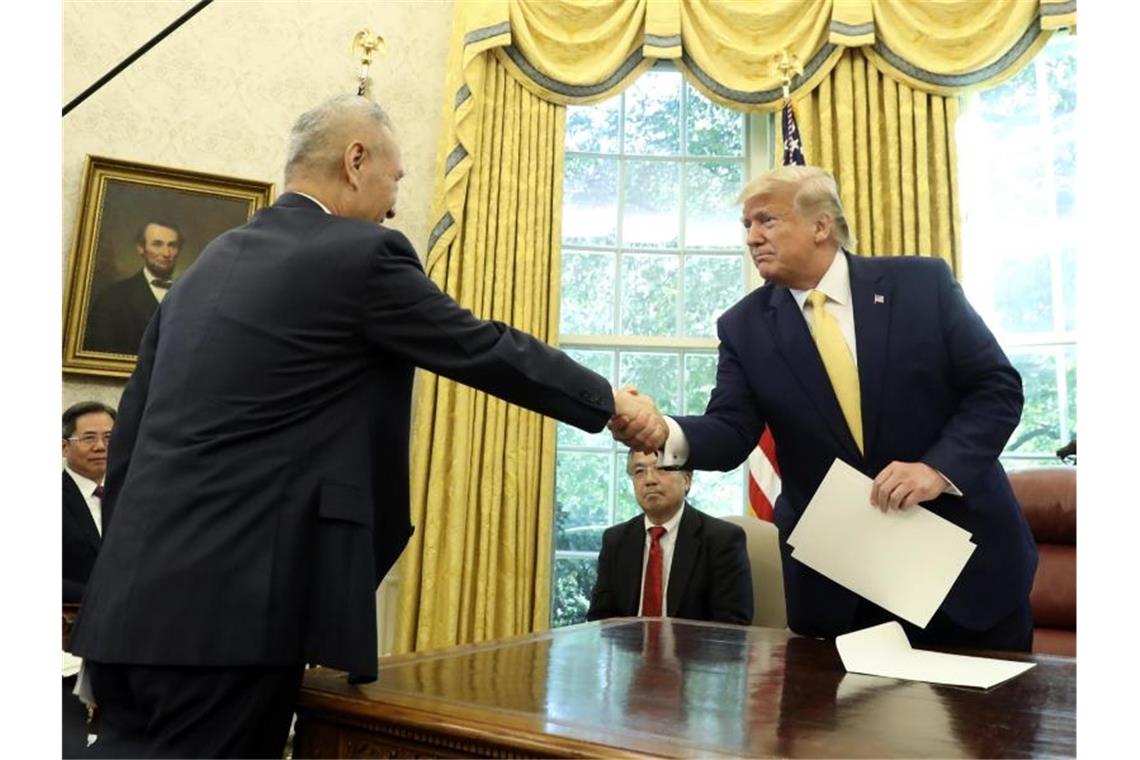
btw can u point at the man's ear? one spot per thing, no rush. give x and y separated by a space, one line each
354 156
823 226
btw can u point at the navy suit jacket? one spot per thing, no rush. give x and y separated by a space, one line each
119 315
710 577
80 541
935 388
257 483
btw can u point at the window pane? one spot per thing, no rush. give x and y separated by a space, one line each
582 499
713 130
653 114
574 581
1017 153
587 283
593 129
712 215
1039 431
650 292
1070 354
1024 292
654 374
700 377
651 217
601 362
712 284
719 493
625 501
589 213
1069 286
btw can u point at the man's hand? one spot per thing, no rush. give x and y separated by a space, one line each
636 421
901 485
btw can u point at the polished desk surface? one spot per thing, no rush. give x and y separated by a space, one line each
680 688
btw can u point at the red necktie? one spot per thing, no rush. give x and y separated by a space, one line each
98 492
651 596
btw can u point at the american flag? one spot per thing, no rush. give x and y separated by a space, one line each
763 469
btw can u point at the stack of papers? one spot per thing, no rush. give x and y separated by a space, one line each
883 650
905 561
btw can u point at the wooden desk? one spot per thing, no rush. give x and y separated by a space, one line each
674 688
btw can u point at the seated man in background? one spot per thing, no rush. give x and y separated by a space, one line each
673 560
86 433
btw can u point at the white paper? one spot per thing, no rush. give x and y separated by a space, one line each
905 561
883 650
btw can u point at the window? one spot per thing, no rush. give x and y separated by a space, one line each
1017 156
652 254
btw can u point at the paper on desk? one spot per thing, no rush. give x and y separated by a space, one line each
905 561
883 650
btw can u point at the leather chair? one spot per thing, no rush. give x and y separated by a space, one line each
1048 498
763 545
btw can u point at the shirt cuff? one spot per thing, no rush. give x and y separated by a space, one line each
950 487
676 450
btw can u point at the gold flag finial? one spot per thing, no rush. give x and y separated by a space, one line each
786 65
364 45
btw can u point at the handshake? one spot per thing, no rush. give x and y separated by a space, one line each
636 421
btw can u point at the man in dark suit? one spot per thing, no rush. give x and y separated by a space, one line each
879 362
119 314
673 560
86 433
257 491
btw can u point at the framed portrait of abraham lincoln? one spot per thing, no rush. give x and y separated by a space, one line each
140 228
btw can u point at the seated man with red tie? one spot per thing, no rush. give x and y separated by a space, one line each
673 560
86 433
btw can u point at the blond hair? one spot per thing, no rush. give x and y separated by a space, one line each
814 192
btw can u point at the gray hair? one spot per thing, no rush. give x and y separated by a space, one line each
311 143
815 193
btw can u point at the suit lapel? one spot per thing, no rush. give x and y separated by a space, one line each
74 503
795 344
684 557
631 548
871 302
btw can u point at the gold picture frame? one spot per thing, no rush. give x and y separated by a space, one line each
129 211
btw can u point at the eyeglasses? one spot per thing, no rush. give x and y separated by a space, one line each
90 439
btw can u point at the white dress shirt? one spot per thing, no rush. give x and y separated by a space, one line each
836 285
157 292
667 541
87 488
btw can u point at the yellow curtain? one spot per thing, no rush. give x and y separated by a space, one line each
583 51
478 565
891 149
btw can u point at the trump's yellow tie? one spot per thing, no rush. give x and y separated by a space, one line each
838 362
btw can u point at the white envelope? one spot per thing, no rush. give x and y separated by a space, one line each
904 561
883 650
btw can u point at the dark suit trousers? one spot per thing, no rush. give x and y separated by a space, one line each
151 711
1013 633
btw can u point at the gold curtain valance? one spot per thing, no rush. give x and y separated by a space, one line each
583 51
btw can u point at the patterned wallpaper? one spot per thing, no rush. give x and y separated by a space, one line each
219 94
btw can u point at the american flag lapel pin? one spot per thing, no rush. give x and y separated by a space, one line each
879 299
